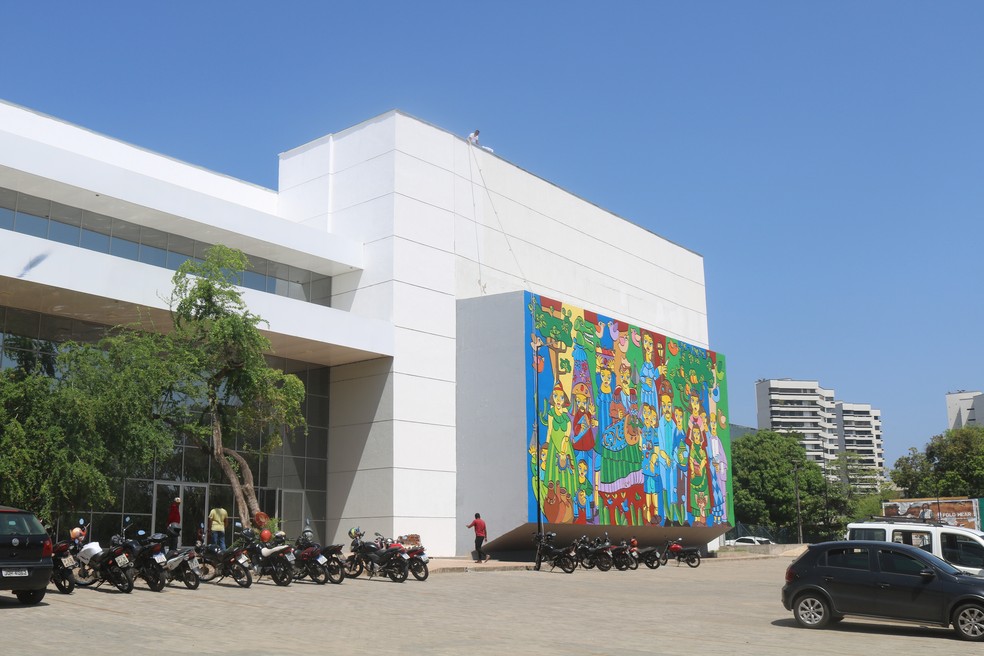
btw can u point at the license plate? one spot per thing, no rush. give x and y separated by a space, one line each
193 563
242 559
159 557
122 561
404 556
15 572
322 560
68 561
289 557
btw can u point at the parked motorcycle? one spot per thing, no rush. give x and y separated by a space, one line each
682 554
148 560
594 553
623 557
63 561
98 565
308 561
546 550
375 557
216 564
336 562
647 555
418 557
273 559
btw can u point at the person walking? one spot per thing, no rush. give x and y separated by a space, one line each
480 534
174 521
217 518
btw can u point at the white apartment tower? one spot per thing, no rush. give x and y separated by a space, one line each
963 408
829 427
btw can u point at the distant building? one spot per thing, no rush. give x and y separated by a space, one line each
963 408
829 427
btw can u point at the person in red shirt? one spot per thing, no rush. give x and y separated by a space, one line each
480 535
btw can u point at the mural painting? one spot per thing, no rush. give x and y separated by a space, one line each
627 427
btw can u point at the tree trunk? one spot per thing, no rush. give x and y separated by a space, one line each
244 495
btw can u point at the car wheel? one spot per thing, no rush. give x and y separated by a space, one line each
30 597
968 622
811 611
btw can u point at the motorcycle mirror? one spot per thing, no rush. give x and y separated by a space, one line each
81 521
201 524
126 520
141 532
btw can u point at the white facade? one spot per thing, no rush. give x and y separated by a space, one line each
963 409
829 427
418 231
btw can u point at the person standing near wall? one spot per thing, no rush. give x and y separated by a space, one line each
217 518
480 535
174 521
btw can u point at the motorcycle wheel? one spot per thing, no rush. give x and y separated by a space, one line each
280 573
84 576
120 579
336 570
693 560
621 564
652 562
663 559
398 572
191 580
353 568
155 580
566 563
240 575
586 562
633 563
318 573
208 570
604 562
64 580
419 569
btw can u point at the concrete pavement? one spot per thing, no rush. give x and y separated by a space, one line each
727 605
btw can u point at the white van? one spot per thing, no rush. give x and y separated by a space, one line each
961 547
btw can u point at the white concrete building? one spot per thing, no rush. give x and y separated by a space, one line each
829 427
963 408
381 243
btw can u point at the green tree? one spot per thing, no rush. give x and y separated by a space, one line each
227 379
951 465
73 424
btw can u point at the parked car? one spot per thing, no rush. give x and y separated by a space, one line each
747 540
25 555
961 547
883 580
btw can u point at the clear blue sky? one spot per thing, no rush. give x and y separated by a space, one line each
826 158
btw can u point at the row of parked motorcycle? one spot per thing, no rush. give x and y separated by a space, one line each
601 553
152 559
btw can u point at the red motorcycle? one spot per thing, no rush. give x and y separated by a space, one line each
418 559
682 554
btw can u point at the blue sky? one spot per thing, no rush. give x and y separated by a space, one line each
826 158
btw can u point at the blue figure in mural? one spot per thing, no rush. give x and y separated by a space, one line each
605 379
719 470
666 432
649 373
584 496
653 465
681 464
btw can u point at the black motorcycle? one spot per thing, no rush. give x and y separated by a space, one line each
217 564
63 563
649 556
375 557
148 558
98 565
594 553
624 556
547 551
274 559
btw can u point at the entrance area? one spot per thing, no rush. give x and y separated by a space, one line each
194 509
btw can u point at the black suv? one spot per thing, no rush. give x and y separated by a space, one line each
25 555
883 580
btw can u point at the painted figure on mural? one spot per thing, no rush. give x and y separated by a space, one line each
666 431
605 380
584 499
560 455
583 438
719 473
650 372
681 463
655 462
621 468
699 500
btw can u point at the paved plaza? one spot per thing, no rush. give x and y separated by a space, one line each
726 606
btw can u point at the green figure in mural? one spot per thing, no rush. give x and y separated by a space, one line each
560 467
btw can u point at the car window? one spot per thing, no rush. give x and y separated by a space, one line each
877 534
848 557
921 539
893 562
962 550
19 524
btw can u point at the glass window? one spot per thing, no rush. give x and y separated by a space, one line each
320 290
894 562
196 465
153 247
850 558
867 534
317 442
921 539
56 329
96 229
179 249
962 550
317 411
30 224
298 282
125 240
66 224
23 323
255 275
317 475
8 203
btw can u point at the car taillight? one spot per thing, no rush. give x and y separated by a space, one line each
791 574
46 548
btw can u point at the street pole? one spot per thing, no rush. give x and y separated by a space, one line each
799 515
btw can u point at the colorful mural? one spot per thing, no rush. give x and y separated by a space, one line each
628 427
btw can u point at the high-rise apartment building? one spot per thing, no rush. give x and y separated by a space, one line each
963 408
829 427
